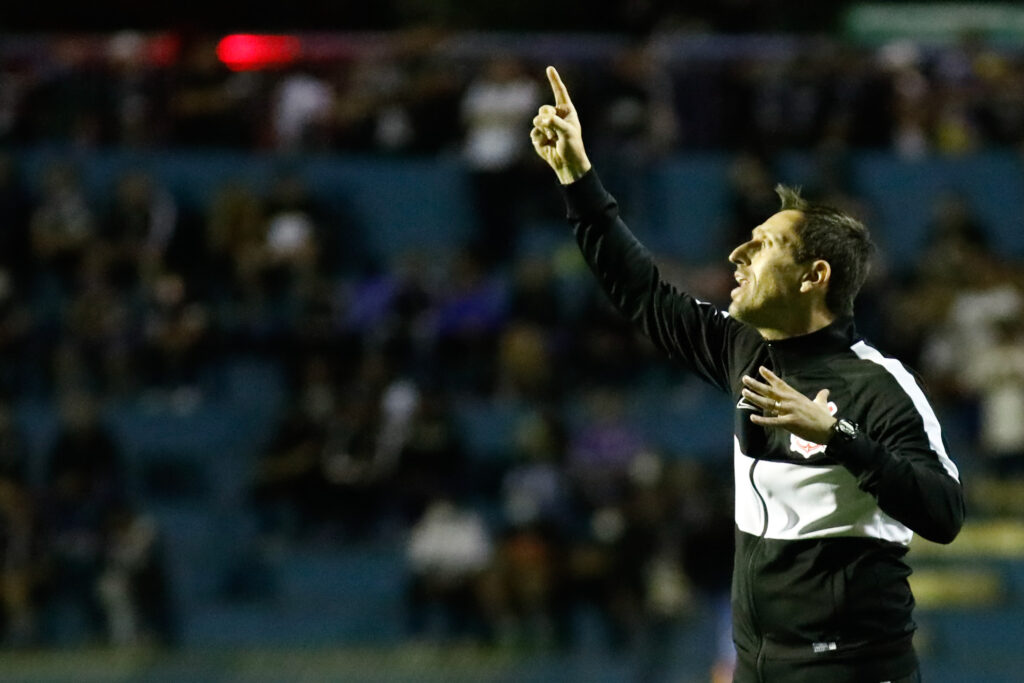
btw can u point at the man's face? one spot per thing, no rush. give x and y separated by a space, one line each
768 278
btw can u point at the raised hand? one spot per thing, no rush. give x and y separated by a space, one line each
783 406
556 135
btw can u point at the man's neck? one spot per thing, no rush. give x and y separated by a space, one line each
799 326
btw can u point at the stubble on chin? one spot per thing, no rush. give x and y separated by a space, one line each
736 311
743 314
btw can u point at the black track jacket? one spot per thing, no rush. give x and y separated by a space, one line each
820 588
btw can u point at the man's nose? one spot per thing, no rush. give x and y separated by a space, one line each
739 254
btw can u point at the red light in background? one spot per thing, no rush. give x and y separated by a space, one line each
248 51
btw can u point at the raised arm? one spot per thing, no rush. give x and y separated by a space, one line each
689 331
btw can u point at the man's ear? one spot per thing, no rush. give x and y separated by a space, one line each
818 275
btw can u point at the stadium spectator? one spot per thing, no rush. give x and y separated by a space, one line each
433 463
95 348
84 487
288 485
138 229
16 327
137 92
366 434
132 585
495 106
177 343
466 323
525 594
209 105
19 541
16 207
448 550
301 115
63 226
996 375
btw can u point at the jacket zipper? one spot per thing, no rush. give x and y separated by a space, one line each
759 662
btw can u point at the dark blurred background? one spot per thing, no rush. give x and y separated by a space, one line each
636 17
303 378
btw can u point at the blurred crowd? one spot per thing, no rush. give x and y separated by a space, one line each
416 91
141 297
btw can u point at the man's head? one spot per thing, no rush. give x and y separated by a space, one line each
804 264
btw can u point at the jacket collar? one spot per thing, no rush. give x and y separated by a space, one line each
792 352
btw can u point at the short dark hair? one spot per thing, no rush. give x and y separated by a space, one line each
834 236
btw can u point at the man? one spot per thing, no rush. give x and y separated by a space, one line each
829 490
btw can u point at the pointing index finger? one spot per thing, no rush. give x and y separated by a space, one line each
558 88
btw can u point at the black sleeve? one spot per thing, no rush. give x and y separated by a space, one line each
899 463
692 332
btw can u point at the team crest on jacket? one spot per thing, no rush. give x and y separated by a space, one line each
808 448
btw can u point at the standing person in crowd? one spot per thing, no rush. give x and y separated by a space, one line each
18 536
493 108
829 489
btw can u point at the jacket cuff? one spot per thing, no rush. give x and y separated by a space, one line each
585 196
861 457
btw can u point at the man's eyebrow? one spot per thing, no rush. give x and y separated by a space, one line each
761 232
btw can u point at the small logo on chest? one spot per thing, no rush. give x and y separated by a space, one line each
744 404
808 448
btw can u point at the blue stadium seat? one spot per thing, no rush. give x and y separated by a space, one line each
488 427
985 641
320 597
691 420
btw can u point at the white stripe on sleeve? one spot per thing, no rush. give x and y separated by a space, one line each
910 386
